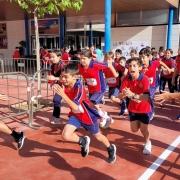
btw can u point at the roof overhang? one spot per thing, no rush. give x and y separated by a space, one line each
11 11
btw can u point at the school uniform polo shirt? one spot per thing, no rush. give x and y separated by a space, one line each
87 113
110 79
178 64
138 86
171 64
94 77
150 72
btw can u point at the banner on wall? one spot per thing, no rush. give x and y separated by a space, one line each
46 26
127 46
3 36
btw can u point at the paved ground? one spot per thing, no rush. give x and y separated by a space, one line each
46 156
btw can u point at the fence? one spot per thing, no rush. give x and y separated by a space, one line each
16 86
25 97
25 65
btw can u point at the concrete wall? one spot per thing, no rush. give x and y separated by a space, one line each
15 34
155 36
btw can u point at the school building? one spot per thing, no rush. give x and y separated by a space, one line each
110 24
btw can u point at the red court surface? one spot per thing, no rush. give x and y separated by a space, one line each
46 156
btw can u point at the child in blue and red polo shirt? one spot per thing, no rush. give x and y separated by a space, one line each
82 114
92 73
150 70
136 87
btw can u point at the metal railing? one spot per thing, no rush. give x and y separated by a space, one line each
25 65
15 85
25 97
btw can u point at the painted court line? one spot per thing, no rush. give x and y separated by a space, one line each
149 172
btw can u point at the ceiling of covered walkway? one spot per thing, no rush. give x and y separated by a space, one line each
10 11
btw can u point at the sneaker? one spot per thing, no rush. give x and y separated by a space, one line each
147 148
109 121
55 120
85 146
152 116
178 117
121 113
20 140
112 153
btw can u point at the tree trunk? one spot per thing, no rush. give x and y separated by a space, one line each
37 52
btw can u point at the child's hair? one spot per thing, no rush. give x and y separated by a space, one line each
58 53
109 55
154 53
122 58
133 51
118 51
136 59
153 49
161 49
170 50
145 52
86 53
71 68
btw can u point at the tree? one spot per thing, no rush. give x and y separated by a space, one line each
41 7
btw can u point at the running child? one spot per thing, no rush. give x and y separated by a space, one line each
176 74
167 76
136 87
82 114
149 69
118 54
53 78
92 73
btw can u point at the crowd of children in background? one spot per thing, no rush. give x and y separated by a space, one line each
81 80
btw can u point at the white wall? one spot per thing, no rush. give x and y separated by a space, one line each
15 34
155 36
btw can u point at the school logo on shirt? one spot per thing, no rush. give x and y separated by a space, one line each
91 81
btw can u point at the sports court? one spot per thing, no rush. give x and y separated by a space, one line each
45 155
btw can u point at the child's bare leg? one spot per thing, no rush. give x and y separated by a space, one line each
135 125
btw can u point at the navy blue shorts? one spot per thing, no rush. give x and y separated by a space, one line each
96 98
142 117
113 91
94 128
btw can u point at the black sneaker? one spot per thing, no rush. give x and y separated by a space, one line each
112 153
20 140
85 146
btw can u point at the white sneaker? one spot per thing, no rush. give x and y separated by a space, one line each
55 120
147 148
105 122
102 122
152 116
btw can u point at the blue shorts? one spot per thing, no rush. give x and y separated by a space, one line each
96 98
141 117
113 91
94 128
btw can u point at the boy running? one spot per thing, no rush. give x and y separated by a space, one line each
92 73
82 113
56 69
136 87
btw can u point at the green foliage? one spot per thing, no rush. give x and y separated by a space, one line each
42 7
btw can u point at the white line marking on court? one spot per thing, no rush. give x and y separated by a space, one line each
149 172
